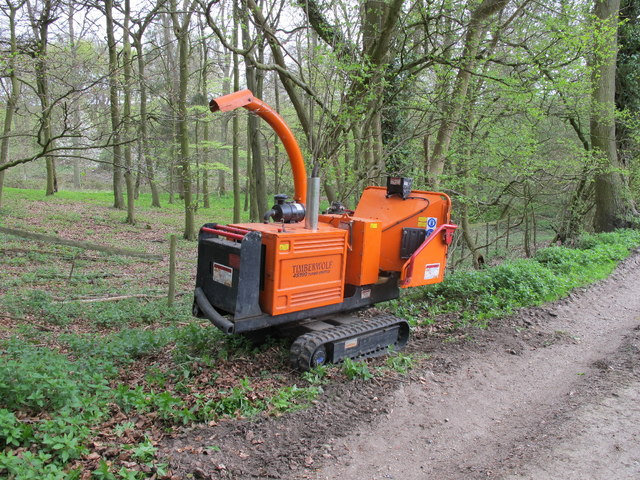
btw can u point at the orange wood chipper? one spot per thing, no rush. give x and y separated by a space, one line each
308 273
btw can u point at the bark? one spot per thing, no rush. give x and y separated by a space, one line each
276 144
578 207
224 125
476 257
454 107
118 197
331 34
127 122
614 206
13 94
173 81
75 114
40 27
376 12
143 157
366 92
181 31
204 51
255 83
143 136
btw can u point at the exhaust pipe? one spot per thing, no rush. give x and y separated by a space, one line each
313 204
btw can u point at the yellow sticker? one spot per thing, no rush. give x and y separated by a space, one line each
374 225
422 219
284 247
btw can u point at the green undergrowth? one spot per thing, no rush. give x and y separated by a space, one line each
53 399
41 304
477 296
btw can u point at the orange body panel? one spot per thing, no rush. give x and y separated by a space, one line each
428 262
427 210
363 259
303 269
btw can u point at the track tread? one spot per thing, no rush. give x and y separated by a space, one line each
305 345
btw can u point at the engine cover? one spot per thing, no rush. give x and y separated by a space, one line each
302 269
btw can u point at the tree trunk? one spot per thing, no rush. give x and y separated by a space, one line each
614 205
235 126
376 12
254 83
40 27
75 114
118 197
13 94
205 124
145 158
224 126
276 144
128 162
173 81
181 31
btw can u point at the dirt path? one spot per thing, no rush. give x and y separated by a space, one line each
550 393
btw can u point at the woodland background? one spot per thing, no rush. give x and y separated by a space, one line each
525 112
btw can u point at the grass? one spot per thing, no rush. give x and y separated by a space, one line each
17 199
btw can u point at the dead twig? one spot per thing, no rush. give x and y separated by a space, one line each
107 299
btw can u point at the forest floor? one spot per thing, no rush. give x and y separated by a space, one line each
550 393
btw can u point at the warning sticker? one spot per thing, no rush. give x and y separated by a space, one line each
222 274
351 343
431 271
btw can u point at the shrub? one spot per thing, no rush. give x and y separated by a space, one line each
39 379
550 275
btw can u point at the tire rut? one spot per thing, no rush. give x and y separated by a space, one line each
473 423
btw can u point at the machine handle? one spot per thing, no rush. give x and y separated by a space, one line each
217 231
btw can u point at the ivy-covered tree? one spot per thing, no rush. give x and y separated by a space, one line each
614 205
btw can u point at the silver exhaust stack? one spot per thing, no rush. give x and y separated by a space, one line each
313 204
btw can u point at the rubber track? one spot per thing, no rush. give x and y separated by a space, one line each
303 347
